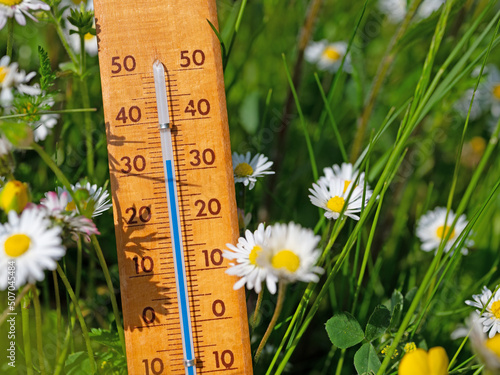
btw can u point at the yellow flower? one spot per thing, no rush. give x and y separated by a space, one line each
14 196
420 362
409 347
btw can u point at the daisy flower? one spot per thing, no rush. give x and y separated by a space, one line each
395 10
487 349
246 255
291 254
431 230
55 207
428 7
328 56
486 98
18 9
29 242
332 193
492 87
11 78
247 170
42 127
490 318
344 172
95 200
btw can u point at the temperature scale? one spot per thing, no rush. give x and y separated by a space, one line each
172 185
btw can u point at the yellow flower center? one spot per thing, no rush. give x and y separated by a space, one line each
496 91
385 350
286 259
494 345
254 254
243 170
30 109
71 206
478 145
441 232
16 245
88 36
346 185
83 196
3 69
11 3
495 309
331 54
335 204
409 347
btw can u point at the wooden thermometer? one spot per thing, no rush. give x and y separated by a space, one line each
172 185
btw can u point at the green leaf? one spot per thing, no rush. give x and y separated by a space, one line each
378 323
68 67
366 360
249 112
221 41
82 20
425 28
47 77
344 330
78 364
107 338
396 308
17 133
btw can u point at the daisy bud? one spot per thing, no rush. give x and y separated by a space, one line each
14 196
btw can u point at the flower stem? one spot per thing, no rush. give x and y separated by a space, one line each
62 358
38 328
62 37
16 302
57 297
86 104
109 283
256 313
380 76
85 332
59 174
78 266
274 319
340 362
10 36
25 305
59 111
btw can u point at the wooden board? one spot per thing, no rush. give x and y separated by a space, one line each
131 36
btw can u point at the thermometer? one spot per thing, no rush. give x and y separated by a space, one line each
172 186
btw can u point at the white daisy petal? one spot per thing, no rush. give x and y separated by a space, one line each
247 170
490 318
29 243
328 56
247 254
431 230
338 189
19 9
290 255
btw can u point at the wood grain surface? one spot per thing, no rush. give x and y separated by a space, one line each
131 36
